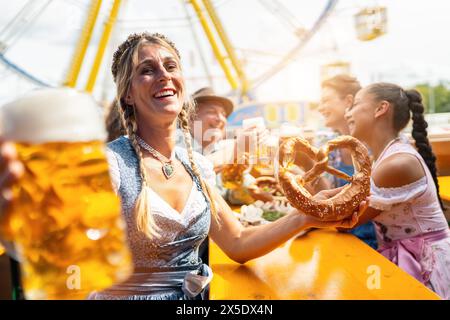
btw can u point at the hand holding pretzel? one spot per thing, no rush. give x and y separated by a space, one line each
344 203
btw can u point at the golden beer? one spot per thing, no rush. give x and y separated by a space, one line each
65 218
267 153
288 131
233 175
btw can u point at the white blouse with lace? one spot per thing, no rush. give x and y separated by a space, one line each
408 210
202 162
194 206
411 229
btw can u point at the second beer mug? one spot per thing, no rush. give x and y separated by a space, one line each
64 219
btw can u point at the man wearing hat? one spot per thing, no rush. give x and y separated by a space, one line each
210 120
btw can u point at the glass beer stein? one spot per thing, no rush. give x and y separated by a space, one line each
64 218
286 132
233 175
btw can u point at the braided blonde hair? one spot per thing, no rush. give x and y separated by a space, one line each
183 119
124 60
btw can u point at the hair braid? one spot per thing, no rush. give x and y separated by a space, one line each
184 123
420 135
113 122
144 219
123 68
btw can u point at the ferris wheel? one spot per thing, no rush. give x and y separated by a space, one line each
199 18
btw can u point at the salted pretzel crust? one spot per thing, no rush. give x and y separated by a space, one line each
343 204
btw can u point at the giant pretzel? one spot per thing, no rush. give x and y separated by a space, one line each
343 204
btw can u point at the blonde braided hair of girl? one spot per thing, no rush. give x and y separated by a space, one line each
123 70
183 118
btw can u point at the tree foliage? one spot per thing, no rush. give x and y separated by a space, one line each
439 94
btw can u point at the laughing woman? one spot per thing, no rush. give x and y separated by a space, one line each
167 193
405 205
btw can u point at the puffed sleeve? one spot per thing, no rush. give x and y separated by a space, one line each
385 198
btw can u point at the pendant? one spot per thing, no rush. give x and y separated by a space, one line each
168 170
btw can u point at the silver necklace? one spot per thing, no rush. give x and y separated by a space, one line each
167 167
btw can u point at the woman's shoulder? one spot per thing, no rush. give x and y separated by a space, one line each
122 150
121 146
199 159
118 143
203 163
397 170
398 179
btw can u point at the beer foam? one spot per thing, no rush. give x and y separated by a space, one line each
258 122
272 141
53 115
288 130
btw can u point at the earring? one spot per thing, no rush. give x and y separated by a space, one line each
128 100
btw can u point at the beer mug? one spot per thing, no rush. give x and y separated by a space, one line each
256 152
267 154
232 174
286 132
64 218
289 131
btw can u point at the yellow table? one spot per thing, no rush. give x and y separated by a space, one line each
322 264
444 187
